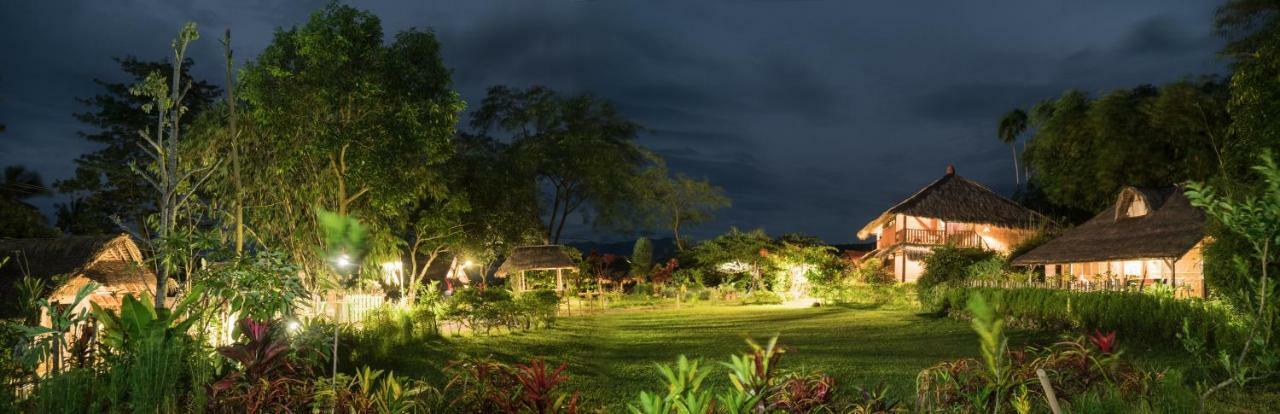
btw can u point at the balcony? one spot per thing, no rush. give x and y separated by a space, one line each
963 238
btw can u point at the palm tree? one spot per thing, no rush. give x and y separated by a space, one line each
1013 124
19 183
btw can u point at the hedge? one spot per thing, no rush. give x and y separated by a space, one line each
1131 314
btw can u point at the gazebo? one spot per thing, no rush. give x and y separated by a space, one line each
526 258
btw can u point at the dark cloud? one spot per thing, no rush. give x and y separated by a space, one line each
813 115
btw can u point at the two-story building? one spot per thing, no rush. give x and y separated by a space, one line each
952 210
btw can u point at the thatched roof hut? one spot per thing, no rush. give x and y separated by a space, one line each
526 258
114 262
1143 223
546 257
956 199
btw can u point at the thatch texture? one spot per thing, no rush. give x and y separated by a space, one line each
956 199
1171 227
114 262
548 257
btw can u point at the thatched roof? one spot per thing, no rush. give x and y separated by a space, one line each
955 198
112 261
548 257
1170 228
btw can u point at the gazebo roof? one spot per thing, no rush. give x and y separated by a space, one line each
546 257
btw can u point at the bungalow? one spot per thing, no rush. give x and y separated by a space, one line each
1151 235
950 211
66 264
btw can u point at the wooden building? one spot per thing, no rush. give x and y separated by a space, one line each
1148 235
950 211
66 264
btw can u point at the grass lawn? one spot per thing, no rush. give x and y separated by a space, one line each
611 356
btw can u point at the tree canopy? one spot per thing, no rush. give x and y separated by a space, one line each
579 151
337 119
104 186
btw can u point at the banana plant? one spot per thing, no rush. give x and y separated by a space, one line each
45 343
138 321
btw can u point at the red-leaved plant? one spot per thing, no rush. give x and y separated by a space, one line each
265 378
1105 342
488 386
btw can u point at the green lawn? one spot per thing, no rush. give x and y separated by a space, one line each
611 356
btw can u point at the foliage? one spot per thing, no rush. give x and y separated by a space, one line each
1255 218
488 386
48 344
579 147
1007 379
336 118
761 297
1085 149
950 263
642 257
680 201
737 252
757 385
103 185
1058 310
17 218
261 286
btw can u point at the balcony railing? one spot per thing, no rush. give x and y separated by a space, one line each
966 238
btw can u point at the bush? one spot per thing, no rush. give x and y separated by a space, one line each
1132 314
950 263
538 307
761 297
877 295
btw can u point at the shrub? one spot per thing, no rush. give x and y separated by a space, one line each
488 386
950 263
757 385
1088 374
761 297
1131 313
538 307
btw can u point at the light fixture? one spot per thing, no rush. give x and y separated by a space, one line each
468 263
294 326
343 261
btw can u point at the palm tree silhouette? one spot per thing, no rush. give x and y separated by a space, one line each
1013 124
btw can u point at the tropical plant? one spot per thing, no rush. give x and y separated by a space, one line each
49 343
1256 218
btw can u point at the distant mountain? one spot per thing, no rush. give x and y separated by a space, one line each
663 248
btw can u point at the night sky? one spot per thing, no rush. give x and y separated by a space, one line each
813 115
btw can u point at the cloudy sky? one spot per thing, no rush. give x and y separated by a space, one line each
814 115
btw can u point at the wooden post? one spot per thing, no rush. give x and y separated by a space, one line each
559 280
1048 391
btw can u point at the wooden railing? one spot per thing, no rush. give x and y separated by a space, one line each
966 238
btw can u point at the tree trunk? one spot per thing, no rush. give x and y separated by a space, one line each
1013 148
235 148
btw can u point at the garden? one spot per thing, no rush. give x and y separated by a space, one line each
330 237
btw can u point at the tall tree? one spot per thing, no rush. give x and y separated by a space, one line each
103 182
338 119
682 202
579 148
1012 125
1084 149
174 181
